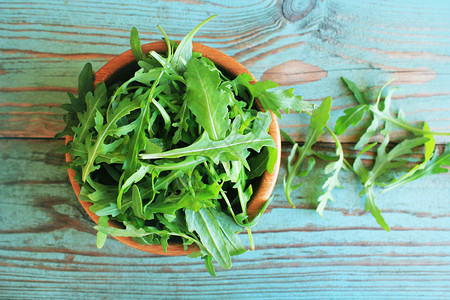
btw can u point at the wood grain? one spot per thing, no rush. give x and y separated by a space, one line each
298 252
306 45
47 243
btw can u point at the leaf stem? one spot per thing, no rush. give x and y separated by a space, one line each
250 237
388 118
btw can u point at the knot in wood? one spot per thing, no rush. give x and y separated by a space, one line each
295 10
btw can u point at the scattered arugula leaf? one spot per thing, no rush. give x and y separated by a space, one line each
333 181
353 116
435 165
319 119
383 121
385 162
392 161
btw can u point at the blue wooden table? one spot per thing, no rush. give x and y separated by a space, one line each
47 242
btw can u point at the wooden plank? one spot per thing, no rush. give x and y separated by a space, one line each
47 243
305 47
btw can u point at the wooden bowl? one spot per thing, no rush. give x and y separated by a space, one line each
123 67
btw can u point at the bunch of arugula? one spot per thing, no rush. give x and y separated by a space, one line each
386 164
171 153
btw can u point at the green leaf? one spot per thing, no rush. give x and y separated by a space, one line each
207 102
258 163
183 53
397 121
101 237
185 166
105 130
202 197
429 148
209 265
274 100
93 104
253 220
272 157
371 130
359 96
130 230
77 105
385 162
352 116
358 166
181 117
137 202
233 147
373 208
135 44
230 231
319 119
139 141
105 208
333 181
205 224
435 165
85 85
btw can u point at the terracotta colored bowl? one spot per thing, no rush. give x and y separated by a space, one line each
123 67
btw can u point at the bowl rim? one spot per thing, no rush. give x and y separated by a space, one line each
225 62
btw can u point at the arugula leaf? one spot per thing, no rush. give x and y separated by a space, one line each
229 230
275 100
85 85
183 53
352 116
359 96
319 119
202 198
384 163
209 265
205 224
105 130
429 148
77 105
182 124
93 104
185 166
259 163
397 121
233 147
137 142
135 44
137 202
372 207
101 237
130 230
435 165
206 101
332 181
